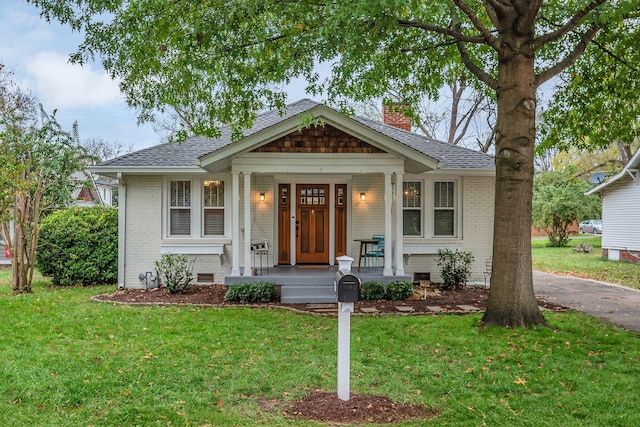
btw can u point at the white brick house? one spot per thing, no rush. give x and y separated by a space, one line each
311 194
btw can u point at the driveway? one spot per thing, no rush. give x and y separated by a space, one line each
610 302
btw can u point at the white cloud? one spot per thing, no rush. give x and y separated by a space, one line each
60 84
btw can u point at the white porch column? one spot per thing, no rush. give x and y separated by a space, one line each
388 196
122 227
247 224
235 224
399 227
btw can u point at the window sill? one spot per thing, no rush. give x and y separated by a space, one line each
193 248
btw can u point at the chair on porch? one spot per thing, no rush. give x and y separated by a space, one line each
376 252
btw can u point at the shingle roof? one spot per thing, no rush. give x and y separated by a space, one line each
451 156
174 155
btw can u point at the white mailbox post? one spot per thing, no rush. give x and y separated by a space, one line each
347 289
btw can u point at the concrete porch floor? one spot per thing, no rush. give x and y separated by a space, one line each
310 275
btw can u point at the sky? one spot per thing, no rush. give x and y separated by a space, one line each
38 54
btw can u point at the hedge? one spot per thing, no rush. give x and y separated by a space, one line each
79 246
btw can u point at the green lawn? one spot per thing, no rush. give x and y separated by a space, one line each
67 361
588 265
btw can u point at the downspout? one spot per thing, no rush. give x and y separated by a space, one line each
122 214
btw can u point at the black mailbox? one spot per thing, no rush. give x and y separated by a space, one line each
348 287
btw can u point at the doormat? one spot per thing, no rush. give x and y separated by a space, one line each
312 266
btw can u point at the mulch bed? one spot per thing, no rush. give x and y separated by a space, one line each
213 295
327 407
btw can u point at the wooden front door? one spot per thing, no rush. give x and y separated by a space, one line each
312 224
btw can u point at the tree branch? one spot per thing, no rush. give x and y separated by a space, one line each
570 58
477 71
489 38
441 30
570 25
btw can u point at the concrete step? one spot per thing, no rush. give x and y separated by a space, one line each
304 294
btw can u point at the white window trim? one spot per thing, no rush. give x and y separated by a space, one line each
224 208
428 208
457 207
197 201
169 208
422 209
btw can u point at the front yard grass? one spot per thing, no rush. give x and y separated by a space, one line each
73 362
587 265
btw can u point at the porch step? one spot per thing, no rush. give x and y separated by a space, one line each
305 294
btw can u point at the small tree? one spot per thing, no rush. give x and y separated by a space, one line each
37 159
558 202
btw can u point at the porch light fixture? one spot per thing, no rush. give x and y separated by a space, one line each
363 197
262 197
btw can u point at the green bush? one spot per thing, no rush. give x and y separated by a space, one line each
399 290
374 290
456 267
252 292
175 272
79 246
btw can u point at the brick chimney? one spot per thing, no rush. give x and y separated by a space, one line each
393 115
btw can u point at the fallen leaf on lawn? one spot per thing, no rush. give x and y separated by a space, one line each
520 381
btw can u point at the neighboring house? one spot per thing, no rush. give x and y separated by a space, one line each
90 191
309 193
621 213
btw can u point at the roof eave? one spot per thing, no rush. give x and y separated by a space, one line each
113 171
633 164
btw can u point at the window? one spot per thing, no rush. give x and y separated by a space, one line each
444 209
213 206
412 208
180 208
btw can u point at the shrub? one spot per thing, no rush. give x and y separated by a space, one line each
374 290
399 290
175 272
79 246
252 292
456 267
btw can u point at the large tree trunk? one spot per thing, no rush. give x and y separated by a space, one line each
512 302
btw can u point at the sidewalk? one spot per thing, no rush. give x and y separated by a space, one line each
612 303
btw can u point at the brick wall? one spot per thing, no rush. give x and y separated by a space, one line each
625 255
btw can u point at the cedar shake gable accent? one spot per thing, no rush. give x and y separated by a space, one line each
320 139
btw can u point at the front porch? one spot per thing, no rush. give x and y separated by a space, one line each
309 284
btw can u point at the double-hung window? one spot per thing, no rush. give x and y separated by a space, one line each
412 208
213 208
444 208
180 208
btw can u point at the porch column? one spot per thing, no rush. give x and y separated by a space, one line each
122 227
399 227
235 224
247 224
388 196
